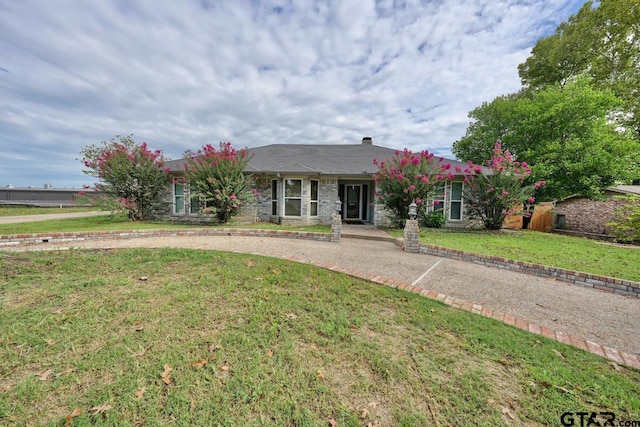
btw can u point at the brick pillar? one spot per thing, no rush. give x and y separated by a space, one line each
412 236
336 228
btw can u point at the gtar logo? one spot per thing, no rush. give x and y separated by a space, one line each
584 419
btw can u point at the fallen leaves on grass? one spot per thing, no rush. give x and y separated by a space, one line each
199 363
166 375
291 316
99 409
224 367
76 413
50 342
5 388
140 392
508 412
139 353
557 353
270 353
333 422
320 375
213 348
45 375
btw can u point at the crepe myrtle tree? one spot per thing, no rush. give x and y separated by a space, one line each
216 178
132 177
409 177
491 195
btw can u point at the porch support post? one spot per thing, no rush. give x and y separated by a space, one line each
336 223
411 231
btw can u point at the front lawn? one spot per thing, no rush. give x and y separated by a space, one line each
193 337
27 210
573 253
113 222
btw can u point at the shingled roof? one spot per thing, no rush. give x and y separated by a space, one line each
324 159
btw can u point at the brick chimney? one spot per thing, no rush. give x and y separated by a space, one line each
367 140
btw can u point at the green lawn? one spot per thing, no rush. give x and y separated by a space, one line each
573 253
16 211
111 222
193 337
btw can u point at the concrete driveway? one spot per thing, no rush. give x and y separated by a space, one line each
611 320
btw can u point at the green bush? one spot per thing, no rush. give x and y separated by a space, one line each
626 225
434 219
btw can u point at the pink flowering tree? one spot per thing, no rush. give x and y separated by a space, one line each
132 177
409 177
496 191
216 178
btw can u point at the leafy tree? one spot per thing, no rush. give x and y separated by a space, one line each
407 177
491 196
217 179
567 132
600 42
131 174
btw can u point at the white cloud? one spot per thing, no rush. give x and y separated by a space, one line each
182 74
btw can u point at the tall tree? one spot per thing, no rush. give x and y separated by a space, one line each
601 42
131 174
568 133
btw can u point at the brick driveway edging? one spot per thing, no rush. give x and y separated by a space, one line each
25 239
603 283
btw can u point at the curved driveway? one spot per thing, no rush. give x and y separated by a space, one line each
608 319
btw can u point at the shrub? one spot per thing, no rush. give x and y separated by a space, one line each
626 225
434 219
493 194
133 177
409 177
217 179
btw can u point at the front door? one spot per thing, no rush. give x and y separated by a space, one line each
353 196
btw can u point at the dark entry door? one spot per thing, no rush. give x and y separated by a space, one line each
353 196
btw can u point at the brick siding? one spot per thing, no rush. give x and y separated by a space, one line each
588 216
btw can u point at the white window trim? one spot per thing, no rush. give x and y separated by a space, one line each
461 200
184 197
284 196
317 201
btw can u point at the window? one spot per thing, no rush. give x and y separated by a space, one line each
179 191
314 198
456 201
292 197
436 200
274 197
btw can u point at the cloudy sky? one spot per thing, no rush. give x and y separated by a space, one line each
181 74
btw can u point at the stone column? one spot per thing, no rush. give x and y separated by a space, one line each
412 236
336 223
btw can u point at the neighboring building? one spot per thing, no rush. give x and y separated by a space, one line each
41 197
301 183
591 216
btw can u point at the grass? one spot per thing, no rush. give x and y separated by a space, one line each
94 223
573 253
114 222
17 211
192 337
